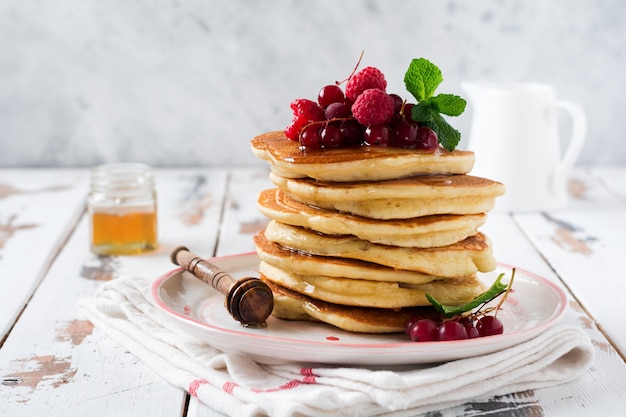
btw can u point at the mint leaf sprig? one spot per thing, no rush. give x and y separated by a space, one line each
497 288
421 80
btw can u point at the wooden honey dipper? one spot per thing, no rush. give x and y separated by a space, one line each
249 300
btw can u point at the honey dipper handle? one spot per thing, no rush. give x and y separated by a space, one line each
202 269
248 300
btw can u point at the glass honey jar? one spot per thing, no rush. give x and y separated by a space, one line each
122 209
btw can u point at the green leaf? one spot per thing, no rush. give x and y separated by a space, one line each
423 112
448 136
427 115
422 78
449 104
495 290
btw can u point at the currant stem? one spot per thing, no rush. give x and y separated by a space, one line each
402 107
353 71
506 293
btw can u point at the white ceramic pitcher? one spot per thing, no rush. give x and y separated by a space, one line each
515 137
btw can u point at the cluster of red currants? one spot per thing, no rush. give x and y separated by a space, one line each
365 115
427 330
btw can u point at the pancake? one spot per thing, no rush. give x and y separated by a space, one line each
416 187
291 305
460 259
306 264
397 199
365 293
423 232
366 163
406 209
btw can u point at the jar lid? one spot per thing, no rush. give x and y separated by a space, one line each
122 177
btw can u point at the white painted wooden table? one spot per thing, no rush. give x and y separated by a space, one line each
54 363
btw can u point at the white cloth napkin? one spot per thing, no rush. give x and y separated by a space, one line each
234 384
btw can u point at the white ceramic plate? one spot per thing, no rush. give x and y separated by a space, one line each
535 305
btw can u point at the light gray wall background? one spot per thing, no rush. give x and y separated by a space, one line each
190 82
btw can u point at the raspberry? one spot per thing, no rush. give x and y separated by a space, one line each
293 130
307 109
373 107
365 79
304 112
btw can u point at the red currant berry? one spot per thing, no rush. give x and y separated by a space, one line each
472 332
397 103
407 112
311 137
427 139
330 137
470 328
424 330
466 321
405 135
409 323
451 330
351 132
338 110
330 94
378 135
489 326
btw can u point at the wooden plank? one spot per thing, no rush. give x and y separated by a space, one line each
584 245
586 249
612 178
597 188
61 365
54 363
241 220
241 217
37 212
599 391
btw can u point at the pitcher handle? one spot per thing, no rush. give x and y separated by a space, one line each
579 131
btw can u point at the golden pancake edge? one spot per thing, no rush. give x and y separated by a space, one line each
463 258
308 264
365 163
424 231
397 199
367 293
291 305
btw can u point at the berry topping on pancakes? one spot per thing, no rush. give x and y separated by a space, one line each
365 79
372 107
366 115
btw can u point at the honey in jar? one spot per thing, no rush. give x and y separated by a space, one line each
122 209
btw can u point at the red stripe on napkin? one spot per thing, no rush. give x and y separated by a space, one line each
229 387
194 385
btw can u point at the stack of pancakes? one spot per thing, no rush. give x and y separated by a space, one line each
358 236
